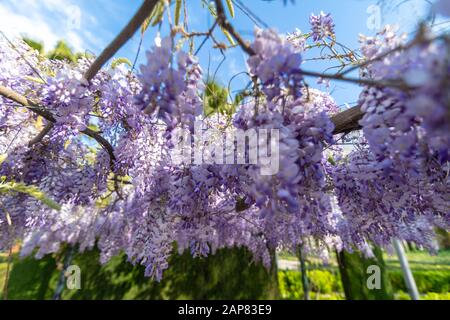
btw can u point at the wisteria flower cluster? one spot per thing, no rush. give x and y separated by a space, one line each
170 86
322 26
403 121
67 96
378 205
398 181
295 199
297 39
127 193
276 63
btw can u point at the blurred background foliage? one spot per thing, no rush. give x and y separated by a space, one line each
229 274
61 51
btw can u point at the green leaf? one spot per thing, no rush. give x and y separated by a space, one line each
34 79
216 100
229 37
159 14
211 8
230 7
62 52
33 191
149 18
94 127
178 4
331 160
145 24
238 98
39 46
120 61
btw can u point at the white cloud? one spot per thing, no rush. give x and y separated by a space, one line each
49 21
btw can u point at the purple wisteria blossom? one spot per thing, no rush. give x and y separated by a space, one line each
170 82
124 191
322 26
276 63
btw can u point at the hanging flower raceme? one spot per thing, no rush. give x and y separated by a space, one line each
292 202
60 174
401 125
183 203
170 84
322 26
115 89
377 205
69 99
408 135
17 125
277 64
15 72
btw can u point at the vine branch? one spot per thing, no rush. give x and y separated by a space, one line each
345 121
121 39
225 24
39 110
41 134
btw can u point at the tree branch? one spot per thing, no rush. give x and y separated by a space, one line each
398 84
223 22
126 33
347 121
39 110
41 134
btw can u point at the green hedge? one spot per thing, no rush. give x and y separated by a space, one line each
229 274
401 295
322 282
427 281
433 284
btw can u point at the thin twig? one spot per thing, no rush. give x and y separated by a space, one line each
209 34
369 82
41 134
121 39
252 16
137 53
225 24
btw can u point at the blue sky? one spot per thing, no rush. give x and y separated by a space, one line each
91 24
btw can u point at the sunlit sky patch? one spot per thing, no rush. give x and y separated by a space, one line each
89 26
